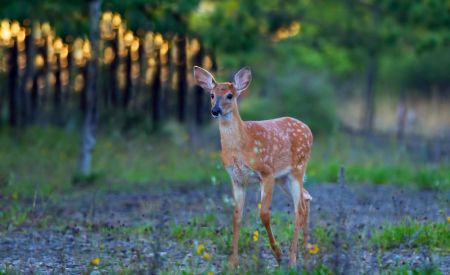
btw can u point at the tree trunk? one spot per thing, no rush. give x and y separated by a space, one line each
83 92
156 91
140 81
167 70
369 94
181 77
57 96
128 81
29 68
45 70
90 117
113 71
34 98
12 86
199 93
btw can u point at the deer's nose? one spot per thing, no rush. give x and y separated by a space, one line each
216 111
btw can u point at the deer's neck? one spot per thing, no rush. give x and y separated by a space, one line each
232 132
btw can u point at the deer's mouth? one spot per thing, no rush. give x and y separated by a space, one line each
225 116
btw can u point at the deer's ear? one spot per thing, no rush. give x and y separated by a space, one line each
204 78
242 79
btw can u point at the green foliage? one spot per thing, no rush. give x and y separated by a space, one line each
435 236
240 26
68 18
305 96
366 163
155 15
407 270
429 70
43 159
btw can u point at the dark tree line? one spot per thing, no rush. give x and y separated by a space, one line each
48 76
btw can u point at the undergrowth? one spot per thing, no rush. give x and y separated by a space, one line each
43 161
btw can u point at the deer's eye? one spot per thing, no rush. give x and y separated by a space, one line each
212 96
229 96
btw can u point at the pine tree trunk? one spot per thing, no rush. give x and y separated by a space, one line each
181 77
29 68
369 94
90 117
128 81
83 92
57 96
140 81
167 69
12 85
34 101
115 97
156 91
198 91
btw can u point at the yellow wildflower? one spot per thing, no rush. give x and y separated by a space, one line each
95 261
448 218
206 256
200 249
255 235
15 196
313 249
259 205
210 273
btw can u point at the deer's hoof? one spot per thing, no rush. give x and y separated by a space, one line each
278 254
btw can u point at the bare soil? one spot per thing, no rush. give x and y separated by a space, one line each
62 235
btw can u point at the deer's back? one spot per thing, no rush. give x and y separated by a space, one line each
280 143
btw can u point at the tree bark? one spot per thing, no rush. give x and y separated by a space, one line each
113 72
90 117
12 85
29 69
57 96
156 91
371 75
167 70
128 81
83 92
140 81
199 93
181 77
34 97
369 95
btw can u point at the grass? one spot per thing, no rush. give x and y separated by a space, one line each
368 163
43 161
412 234
408 270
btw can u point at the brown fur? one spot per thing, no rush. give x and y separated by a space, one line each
266 151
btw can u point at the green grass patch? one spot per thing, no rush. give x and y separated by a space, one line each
435 236
366 163
408 270
43 161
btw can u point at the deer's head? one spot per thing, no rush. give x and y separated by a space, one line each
223 95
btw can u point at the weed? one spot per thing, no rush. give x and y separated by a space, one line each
435 236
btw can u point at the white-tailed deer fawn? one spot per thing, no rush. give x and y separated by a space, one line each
268 152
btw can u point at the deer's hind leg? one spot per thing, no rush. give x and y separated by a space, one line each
301 200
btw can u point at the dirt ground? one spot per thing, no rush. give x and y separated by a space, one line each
81 226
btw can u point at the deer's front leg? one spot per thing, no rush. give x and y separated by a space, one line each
266 199
239 200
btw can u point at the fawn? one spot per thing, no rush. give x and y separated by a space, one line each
268 152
